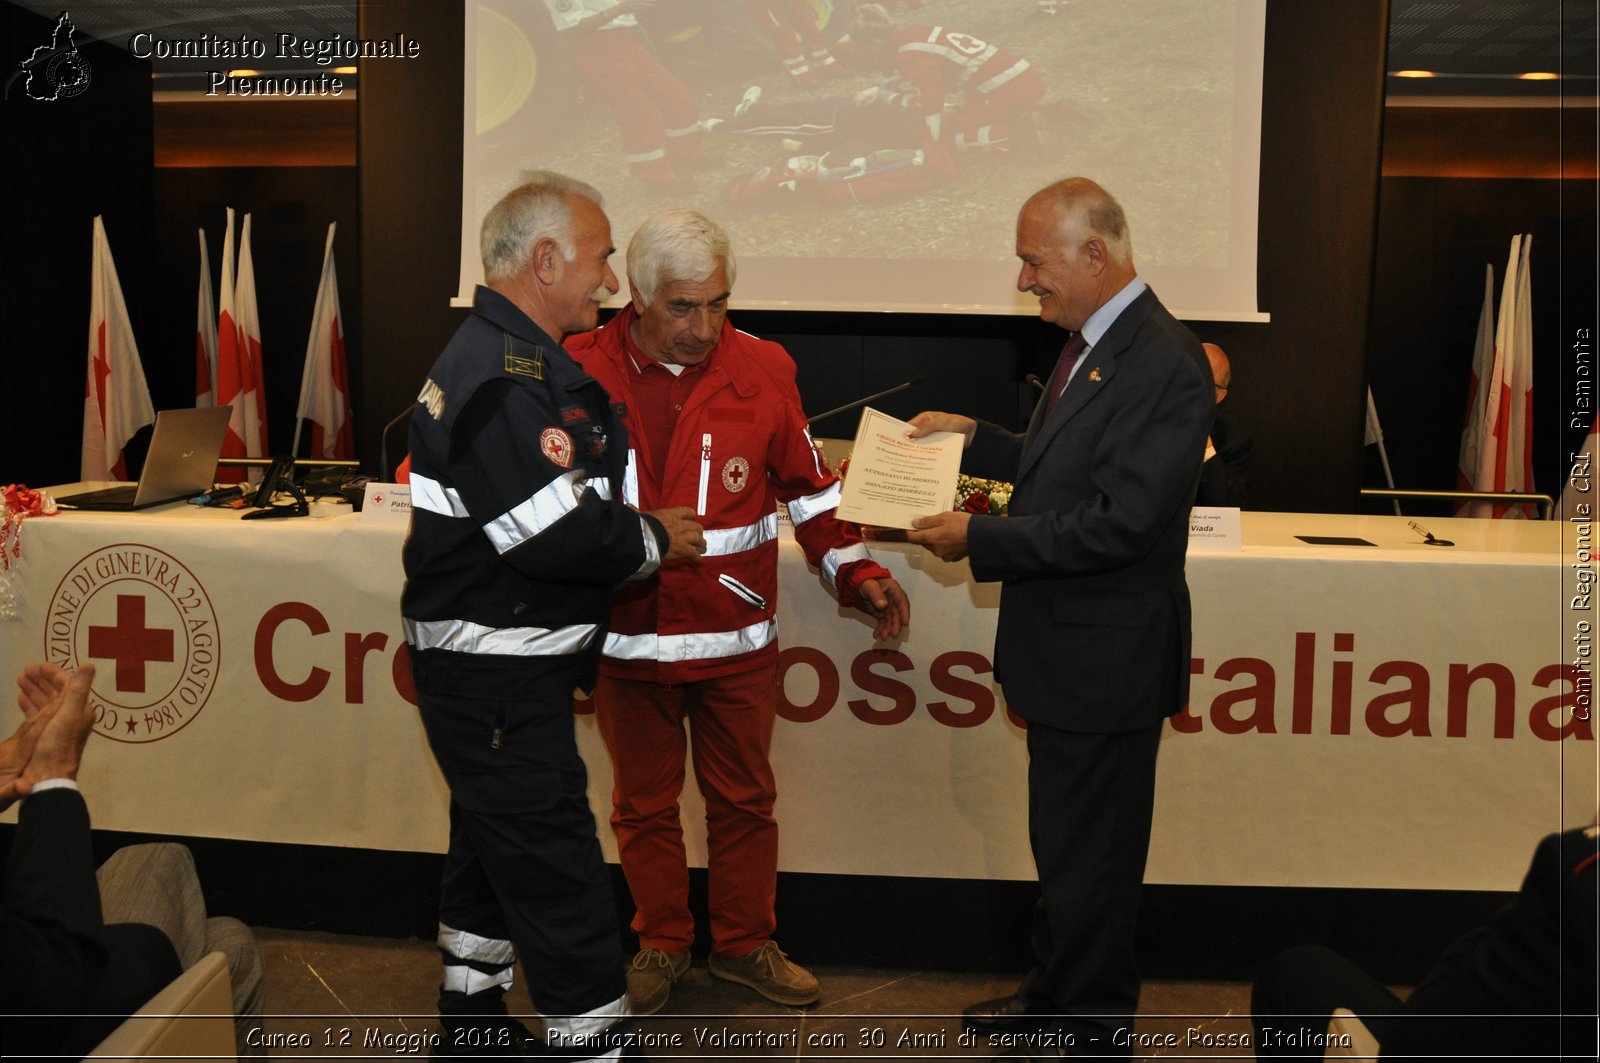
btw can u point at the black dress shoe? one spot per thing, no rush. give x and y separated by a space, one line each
1001 1015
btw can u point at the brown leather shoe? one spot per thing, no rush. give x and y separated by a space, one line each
769 972
650 978
1001 1015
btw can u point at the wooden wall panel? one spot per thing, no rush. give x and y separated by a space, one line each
193 131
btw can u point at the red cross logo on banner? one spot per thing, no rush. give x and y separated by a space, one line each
130 643
141 609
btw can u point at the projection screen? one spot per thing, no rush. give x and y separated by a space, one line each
881 170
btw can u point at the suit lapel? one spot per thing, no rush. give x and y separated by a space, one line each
1099 366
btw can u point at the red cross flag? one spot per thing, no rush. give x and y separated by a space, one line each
1505 457
255 394
230 367
205 335
116 400
325 381
1472 434
239 357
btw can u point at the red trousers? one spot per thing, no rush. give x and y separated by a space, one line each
655 113
984 123
730 722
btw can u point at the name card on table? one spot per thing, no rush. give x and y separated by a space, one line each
386 504
1215 530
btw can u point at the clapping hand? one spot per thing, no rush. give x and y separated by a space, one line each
56 725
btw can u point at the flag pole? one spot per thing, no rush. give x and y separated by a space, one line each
1375 429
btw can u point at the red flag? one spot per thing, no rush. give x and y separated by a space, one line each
205 335
116 400
1505 460
230 367
249 321
324 383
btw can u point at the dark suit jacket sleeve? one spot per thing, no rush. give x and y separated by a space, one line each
1223 479
1144 462
50 908
994 453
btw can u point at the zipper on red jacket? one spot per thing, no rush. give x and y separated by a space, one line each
705 471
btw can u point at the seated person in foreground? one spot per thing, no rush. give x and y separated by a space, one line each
1521 986
82 954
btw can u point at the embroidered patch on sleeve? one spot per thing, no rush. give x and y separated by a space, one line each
556 445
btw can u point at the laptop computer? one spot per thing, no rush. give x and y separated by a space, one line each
181 462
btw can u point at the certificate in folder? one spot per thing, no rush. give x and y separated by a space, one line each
894 479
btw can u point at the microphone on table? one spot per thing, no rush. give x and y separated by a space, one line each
1428 538
1034 381
847 407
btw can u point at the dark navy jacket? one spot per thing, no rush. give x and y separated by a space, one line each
518 528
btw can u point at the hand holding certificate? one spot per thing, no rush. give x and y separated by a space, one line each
895 479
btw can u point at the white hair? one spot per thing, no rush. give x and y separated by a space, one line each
539 207
677 245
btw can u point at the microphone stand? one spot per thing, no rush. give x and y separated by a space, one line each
857 404
384 470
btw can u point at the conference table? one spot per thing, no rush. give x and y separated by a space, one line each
1381 714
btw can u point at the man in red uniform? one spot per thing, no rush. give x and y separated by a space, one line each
935 62
714 420
798 40
655 113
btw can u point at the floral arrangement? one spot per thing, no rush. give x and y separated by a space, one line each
17 502
975 495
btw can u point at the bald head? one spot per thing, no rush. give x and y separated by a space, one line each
1221 372
1072 238
1078 204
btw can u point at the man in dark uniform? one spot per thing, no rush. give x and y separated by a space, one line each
518 535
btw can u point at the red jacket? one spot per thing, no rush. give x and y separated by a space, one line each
939 61
743 436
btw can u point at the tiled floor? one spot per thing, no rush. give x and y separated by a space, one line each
333 996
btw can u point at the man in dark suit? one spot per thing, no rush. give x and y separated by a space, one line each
81 952
1092 646
1224 476
63 964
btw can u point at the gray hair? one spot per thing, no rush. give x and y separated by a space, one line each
1101 213
537 208
677 245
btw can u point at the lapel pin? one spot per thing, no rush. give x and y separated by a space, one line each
1094 374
